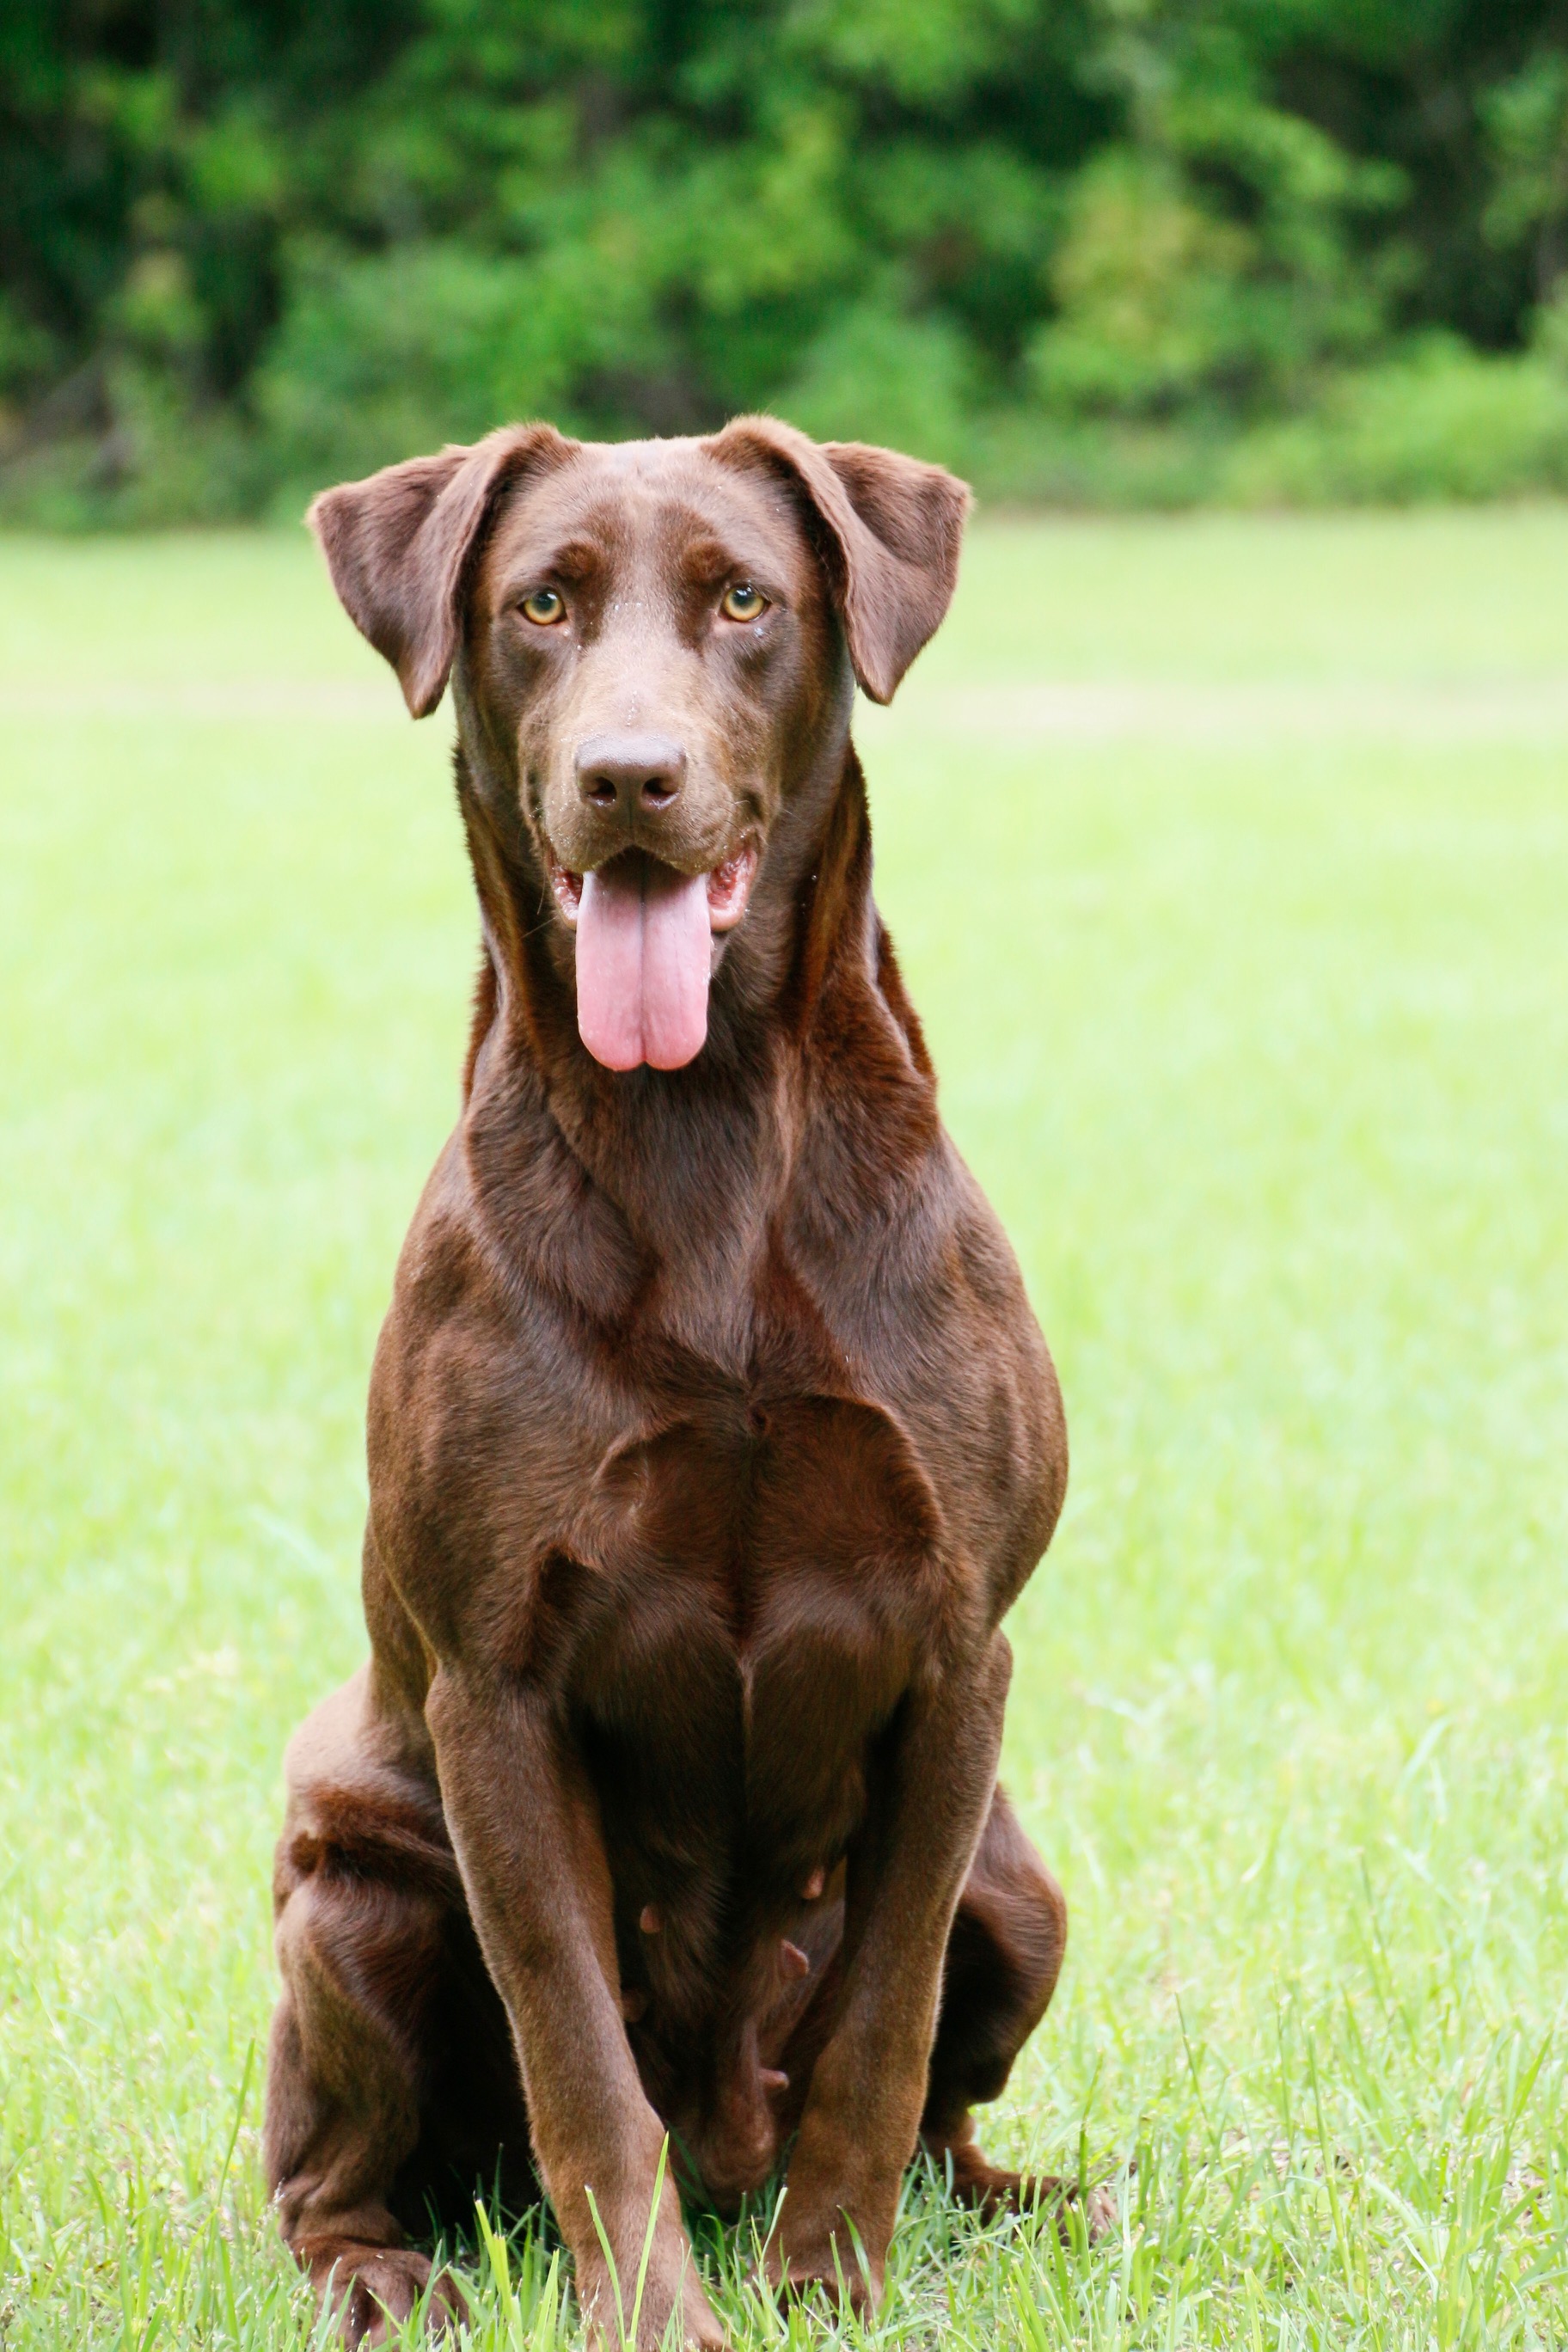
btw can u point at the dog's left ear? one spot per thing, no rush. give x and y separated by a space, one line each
397 546
889 536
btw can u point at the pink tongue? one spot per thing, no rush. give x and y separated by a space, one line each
642 959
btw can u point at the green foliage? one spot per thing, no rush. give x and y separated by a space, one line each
1441 422
246 244
1151 293
1526 118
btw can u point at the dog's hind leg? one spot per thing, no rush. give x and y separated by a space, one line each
1004 1957
373 2041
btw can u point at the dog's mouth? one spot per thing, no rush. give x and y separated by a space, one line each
645 952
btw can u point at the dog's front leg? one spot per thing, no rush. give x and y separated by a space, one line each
869 2086
525 1831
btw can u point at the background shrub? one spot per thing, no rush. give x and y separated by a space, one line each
1089 248
1439 422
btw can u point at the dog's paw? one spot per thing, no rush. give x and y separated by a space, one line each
371 2291
605 2320
818 2261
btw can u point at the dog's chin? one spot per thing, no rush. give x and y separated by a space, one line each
646 940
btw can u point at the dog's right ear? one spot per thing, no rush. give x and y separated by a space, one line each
398 546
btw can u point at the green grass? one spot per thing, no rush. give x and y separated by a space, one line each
1245 959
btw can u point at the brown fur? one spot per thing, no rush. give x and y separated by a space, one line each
711 1438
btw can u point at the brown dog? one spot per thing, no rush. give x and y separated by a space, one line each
710 1433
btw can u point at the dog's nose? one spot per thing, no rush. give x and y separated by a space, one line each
635 774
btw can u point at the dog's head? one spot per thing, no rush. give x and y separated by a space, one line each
655 637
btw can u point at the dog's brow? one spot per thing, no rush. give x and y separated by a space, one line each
706 559
522 567
578 559
703 562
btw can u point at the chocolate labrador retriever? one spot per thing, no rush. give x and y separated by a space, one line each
711 1434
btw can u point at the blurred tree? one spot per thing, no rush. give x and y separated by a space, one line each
1526 118
253 242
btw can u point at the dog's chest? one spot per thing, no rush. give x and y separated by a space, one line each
756 1591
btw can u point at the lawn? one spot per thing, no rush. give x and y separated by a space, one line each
1228 859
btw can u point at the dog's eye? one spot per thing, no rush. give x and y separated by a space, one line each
544 607
743 602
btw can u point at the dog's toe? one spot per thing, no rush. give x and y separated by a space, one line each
1095 2209
990 2188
